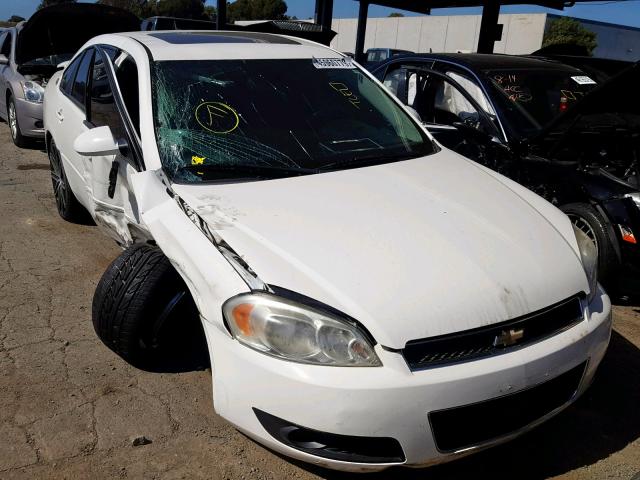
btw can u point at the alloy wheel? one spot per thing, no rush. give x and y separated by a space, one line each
58 179
13 121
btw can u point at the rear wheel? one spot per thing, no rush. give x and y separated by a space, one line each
599 230
12 116
68 206
143 311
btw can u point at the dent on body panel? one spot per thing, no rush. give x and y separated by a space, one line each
197 257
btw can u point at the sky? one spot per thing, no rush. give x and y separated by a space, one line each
621 12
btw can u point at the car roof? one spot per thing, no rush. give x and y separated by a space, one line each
221 45
484 61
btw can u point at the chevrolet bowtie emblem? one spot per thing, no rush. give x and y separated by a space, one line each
506 338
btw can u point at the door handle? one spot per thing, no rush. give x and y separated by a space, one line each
59 114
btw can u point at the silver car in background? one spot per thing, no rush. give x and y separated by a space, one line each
31 51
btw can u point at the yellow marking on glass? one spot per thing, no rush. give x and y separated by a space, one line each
217 117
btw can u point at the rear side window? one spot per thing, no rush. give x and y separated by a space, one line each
69 74
79 89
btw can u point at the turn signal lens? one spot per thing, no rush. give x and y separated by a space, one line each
242 317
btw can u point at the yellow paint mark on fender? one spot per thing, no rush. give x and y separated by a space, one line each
217 117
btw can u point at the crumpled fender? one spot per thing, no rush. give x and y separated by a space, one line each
208 274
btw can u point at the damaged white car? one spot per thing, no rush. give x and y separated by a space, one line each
369 298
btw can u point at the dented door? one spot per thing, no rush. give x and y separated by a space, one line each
108 177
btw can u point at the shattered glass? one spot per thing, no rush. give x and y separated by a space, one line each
283 114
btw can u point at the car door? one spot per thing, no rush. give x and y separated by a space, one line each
113 101
452 115
70 115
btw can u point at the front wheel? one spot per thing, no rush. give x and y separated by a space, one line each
586 218
16 134
143 311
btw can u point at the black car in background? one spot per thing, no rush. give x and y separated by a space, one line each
548 126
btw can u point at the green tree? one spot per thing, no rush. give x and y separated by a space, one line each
569 31
48 3
15 19
210 11
396 14
181 8
257 10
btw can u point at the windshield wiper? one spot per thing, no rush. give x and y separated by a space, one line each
367 160
257 171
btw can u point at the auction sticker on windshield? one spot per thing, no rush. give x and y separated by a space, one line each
583 80
332 62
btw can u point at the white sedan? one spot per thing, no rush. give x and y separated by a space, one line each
369 298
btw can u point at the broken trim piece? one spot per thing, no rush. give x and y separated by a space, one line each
236 261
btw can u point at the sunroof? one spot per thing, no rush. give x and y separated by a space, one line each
182 38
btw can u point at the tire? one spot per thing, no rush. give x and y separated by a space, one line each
66 202
598 228
12 119
143 311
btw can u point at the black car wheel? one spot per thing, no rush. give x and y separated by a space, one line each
143 311
12 117
68 206
599 230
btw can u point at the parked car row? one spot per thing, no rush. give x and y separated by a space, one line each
335 253
545 124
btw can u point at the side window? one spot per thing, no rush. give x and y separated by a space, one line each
5 49
396 83
450 105
69 74
471 86
103 110
127 77
79 88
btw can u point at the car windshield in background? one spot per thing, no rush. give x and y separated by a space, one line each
541 94
244 119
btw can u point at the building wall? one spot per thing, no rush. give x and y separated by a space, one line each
522 33
614 41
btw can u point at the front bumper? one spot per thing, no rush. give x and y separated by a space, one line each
391 401
29 116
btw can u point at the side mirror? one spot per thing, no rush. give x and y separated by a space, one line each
97 142
4 60
62 65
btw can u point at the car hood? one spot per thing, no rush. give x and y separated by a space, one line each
63 29
411 249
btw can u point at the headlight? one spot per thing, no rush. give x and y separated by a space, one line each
589 257
33 92
294 332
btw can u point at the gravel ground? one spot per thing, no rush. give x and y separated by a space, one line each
70 408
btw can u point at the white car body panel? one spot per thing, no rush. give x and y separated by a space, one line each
343 238
410 250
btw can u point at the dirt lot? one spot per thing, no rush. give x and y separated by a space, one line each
69 408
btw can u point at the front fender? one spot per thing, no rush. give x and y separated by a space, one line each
208 275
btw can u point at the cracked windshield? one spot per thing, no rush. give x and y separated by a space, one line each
259 119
